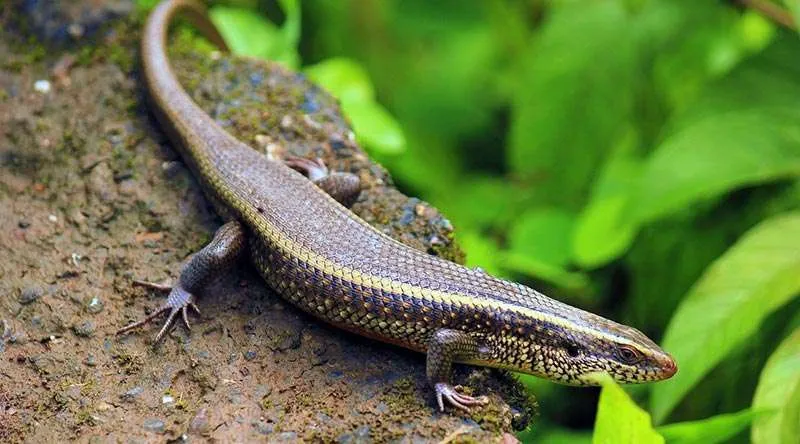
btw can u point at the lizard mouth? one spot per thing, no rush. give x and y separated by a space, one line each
668 367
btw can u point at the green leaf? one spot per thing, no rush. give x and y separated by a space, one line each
712 430
345 78
543 234
744 130
716 154
755 277
620 420
248 33
573 104
375 127
349 82
779 390
603 231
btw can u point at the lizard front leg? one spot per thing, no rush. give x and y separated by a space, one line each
196 273
445 347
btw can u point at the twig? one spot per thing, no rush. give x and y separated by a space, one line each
771 11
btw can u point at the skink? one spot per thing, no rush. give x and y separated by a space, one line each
328 262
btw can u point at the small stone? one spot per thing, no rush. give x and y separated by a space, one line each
23 224
263 427
132 394
235 396
90 360
84 329
249 355
199 424
103 406
262 391
285 437
30 294
167 399
52 218
358 436
153 425
42 86
95 305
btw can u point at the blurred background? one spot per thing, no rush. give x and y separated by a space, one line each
637 158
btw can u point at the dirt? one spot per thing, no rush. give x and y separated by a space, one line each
92 196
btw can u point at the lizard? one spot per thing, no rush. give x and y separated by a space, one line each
290 217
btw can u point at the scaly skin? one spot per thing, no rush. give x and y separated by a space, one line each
325 260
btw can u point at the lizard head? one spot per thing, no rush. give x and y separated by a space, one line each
575 355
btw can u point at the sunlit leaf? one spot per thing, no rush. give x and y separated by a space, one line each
712 430
248 33
779 391
603 230
374 127
620 420
344 78
543 234
744 130
717 154
756 276
573 104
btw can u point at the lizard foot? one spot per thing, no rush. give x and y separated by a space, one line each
447 392
314 169
179 301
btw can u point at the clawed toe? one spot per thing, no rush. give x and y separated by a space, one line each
447 392
178 303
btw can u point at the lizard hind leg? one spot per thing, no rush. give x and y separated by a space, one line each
344 187
196 273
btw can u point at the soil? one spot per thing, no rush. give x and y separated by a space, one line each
92 196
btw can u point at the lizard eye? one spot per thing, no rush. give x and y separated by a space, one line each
628 354
572 351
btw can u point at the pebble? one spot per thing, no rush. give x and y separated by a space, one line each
153 425
95 305
132 394
42 86
285 437
30 294
167 399
52 218
23 224
84 329
199 424
358 436
235 396
262 391
263 427
90 360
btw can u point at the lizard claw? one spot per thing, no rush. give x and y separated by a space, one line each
178 302
447 392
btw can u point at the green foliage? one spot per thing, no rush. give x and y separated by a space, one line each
250 34
620 420
758 275
779 392
718 429
348 82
